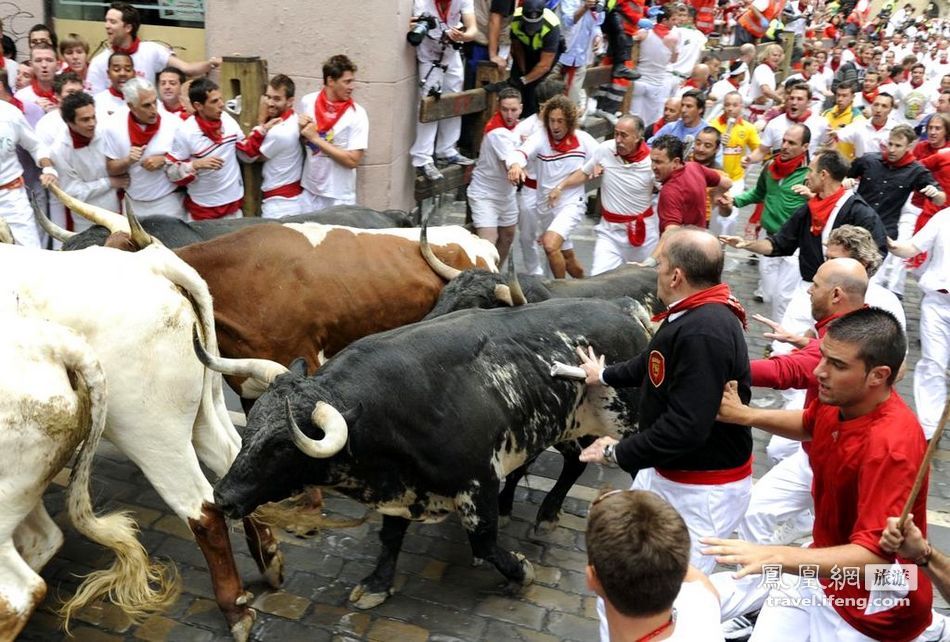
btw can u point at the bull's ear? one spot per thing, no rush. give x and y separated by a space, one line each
299 367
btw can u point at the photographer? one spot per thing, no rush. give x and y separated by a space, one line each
437 31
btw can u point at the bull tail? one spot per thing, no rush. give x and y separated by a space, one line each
134 583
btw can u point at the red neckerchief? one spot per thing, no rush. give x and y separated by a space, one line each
661 31
869 97
3 62
49 95
691 83
877 128
180 111
287 113
115 92
210 128
903 161
918 85
442 6
821 208
801 118
725 121
497 122
79 141
658 631
16 102
834 65
779 169
131 49
806 76
638 154
658 125
716 294
139 137
328 112
564 145
734 83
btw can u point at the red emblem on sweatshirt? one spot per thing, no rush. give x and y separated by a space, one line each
656 367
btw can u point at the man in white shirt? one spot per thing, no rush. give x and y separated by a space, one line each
203 156
914 96
336 134
122 28
762 90
169 82
276 141
78 154
40 90
111 101
638 550
14 203
440 70
869 135
491 197
797 110
135 146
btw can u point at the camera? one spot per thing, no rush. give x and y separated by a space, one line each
420 28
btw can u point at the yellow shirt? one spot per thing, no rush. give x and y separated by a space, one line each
743 136
837 121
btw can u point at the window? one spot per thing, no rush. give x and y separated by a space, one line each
165 13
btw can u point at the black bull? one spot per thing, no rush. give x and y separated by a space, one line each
175 233
426 419
476 289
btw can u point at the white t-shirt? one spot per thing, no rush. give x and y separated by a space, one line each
82 172
654 60
490 176
49 127
430 49
524 130
625 188
144 185
864 136
775 130
211 188
150 59
554 166
283 153
698 615
323 176
690 48
762 76
109 106
31 108
14 130
934 239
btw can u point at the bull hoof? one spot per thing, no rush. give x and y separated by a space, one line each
363 600
546 527
503 521
274 573
528 569
241 630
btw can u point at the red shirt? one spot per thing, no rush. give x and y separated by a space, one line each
864 469
939 165
683 195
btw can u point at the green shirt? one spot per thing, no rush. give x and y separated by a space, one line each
779 199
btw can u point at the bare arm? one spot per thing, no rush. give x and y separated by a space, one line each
752 557
349 158
194 68
494 35
784 423
759 246
904 250
545 62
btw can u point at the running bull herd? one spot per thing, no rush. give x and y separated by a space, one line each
391 363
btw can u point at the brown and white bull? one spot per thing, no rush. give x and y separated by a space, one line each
166 411
53 398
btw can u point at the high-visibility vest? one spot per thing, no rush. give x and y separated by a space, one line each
759 15
549 21
705 15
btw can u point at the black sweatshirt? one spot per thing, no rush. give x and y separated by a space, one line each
796 234
700 351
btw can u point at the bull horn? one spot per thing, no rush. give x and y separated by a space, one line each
503 294
112 221
517 294
330 421
438 266
260 369
48 226
6 236
140 237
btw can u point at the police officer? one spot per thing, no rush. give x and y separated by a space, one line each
536 44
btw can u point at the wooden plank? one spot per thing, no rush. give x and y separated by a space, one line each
246 76
787 40
455 177
486 74
451 105
597 76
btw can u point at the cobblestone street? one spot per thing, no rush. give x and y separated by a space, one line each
440 596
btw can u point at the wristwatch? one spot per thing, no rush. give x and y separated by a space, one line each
609 455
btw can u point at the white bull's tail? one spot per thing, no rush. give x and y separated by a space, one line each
135 584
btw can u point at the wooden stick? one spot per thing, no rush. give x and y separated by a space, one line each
925 465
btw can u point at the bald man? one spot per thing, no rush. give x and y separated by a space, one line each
698 464
780 509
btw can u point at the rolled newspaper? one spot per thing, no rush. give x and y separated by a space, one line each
564 371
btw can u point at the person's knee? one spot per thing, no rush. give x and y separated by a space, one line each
552 242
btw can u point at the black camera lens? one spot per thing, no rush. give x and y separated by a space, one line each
417 33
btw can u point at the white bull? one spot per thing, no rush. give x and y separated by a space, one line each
166 412
52 398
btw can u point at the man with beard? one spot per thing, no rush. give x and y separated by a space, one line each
276 141
135 146
629 228
561 149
